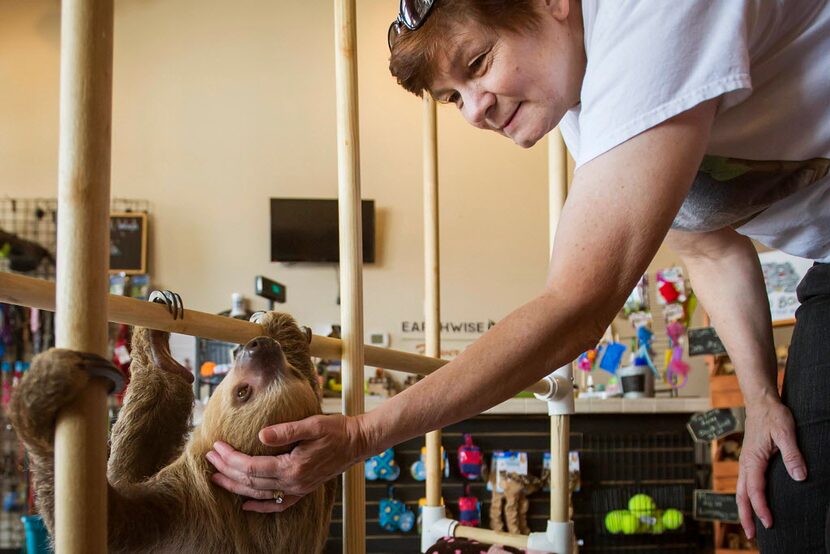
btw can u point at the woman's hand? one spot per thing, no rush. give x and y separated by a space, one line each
324 446
769 428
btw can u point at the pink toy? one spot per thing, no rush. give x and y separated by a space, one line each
469 459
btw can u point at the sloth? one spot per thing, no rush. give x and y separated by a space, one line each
160 495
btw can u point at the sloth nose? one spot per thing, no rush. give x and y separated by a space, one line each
261 345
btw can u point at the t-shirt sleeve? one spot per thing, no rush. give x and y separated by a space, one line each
649 61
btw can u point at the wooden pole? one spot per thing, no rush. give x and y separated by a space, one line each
351 260
37 293
559 424
487 536
82 263
560 428
557 180
432 279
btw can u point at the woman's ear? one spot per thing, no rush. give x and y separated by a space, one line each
559 9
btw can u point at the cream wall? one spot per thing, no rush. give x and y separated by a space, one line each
220 105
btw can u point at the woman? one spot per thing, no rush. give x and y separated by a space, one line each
677 114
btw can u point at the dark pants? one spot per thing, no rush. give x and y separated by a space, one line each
801 511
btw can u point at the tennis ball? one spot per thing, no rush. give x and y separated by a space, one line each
629 523
613 521
641 505
672 519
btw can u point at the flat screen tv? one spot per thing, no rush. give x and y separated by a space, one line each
306 230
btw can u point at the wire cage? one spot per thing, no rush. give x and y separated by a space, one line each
639 477
640 510
28 246
31 224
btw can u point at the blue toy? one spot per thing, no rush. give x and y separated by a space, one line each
612 354
394 516
382 466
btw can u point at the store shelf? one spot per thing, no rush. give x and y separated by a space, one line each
529 406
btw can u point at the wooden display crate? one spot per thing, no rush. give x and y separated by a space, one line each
721 546
725 392
725 476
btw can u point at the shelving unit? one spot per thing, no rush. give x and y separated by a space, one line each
725 393
627 450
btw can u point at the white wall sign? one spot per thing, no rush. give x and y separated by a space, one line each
456 327
782 274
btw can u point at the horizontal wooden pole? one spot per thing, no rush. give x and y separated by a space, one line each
38 293
487 536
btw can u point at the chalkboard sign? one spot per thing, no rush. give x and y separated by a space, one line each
715 506
128 242
705 341
711 425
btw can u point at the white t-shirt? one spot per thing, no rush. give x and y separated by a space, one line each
767 170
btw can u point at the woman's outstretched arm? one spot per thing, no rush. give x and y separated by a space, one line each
619 210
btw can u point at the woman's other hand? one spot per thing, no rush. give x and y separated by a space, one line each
769 428
324 446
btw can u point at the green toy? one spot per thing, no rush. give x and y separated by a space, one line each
641 505
613 521
629 523
643 516
672 519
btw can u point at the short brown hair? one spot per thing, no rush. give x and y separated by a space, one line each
412 61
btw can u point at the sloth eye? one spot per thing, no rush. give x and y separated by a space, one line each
243 393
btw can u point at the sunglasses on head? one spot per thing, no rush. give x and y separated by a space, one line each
411 15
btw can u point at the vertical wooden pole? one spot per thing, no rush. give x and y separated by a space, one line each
557 180
82 263
351 260
559 425
560 428
432 296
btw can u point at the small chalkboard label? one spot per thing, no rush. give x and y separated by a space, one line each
128 242
711 425
704 341
715 506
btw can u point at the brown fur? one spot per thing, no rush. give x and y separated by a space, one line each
161 498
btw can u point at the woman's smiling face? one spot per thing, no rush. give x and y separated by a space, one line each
518 84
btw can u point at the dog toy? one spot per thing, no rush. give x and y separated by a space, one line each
586 360
612 354
510 507
382 466
469 459
641 505
469 509
394 515
672 519
642 516
677 371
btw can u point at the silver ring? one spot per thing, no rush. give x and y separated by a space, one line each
279 497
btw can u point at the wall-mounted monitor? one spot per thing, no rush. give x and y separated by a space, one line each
306 230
